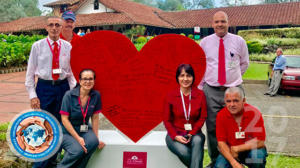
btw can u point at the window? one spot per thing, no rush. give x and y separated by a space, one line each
96 4
63 8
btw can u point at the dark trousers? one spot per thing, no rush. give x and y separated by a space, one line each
191 154
50 99
255 158
74 155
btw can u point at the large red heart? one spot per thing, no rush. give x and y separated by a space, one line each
133 84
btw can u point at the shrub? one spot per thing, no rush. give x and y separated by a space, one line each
191 36
135 31
15 50
262 57
141 39
139 46
254 47
276 33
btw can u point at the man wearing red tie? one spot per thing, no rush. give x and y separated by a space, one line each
227 60
49 61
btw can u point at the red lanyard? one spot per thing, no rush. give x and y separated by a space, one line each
59 47
84 113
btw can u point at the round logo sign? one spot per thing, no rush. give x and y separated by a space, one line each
34 135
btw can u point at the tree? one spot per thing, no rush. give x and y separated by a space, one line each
15 9
147 2
234 2
279 1
198 4
170 5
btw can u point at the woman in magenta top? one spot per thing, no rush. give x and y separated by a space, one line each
184 116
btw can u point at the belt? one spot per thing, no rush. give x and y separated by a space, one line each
221 88
52 82
280 70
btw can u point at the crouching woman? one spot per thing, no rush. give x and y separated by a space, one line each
80 139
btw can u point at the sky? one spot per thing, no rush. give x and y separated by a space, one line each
42 2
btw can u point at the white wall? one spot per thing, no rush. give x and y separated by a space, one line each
88 7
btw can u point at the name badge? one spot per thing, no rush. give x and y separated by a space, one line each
84 128
57 71
188 127
239 135
232 64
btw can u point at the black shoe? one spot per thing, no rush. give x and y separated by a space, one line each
267 93
211 165
273 95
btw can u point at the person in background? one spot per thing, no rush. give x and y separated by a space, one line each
279 66
67 33
79 32
184 116
240 133
80 139
227 59
88 31
82 33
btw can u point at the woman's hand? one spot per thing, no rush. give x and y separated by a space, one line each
182 139
82 144
101 145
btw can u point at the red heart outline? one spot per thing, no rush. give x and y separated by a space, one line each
133 84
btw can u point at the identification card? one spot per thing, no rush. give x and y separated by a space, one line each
188 127
57 71
239 135
84 128
232 64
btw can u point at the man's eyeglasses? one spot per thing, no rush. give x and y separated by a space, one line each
54 24
87 79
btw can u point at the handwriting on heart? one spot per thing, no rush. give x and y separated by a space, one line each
133 84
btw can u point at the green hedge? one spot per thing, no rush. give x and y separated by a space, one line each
254 47
265 33
141 39
15 50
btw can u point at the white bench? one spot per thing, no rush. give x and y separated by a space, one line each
111 156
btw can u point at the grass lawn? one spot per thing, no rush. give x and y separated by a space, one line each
273 161
256 71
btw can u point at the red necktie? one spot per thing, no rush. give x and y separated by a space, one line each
55 61
221 68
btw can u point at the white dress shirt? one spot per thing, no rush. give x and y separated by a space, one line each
236 59
40 64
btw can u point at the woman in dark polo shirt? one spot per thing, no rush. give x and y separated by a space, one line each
79 105
184 115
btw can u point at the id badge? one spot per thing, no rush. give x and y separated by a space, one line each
188 127
239 135
57 71
232 64
84 128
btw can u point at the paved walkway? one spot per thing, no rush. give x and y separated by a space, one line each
13 95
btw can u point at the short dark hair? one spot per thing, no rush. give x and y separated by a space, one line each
188 69
85 70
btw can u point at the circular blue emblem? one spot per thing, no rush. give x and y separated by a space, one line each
34 135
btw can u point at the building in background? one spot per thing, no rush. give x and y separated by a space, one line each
119 15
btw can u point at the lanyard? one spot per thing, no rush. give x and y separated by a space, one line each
59 47
84 113
187 116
